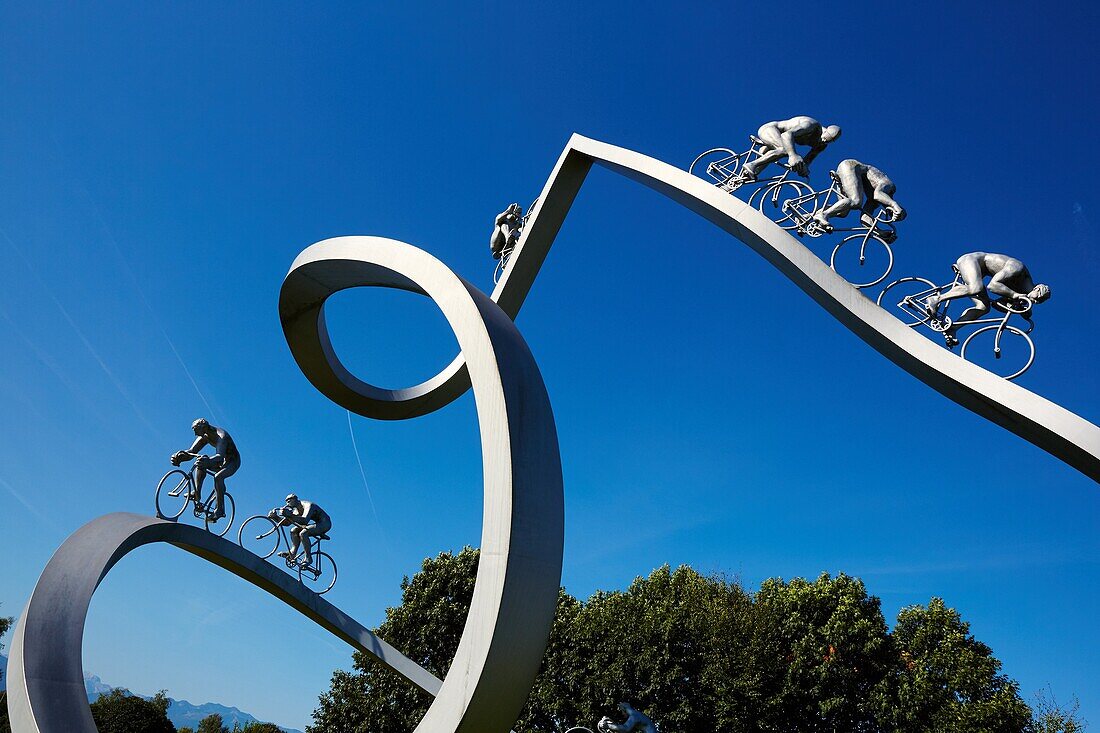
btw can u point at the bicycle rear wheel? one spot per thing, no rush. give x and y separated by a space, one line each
774 203
863 264
717 164
173 494
902 295
323 581
1008 359
259 535
217 528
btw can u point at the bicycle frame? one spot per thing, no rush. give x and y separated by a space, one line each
314 547
915 305
826 197
729 177
190 486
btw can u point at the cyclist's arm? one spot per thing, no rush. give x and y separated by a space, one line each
198 445
814 152
997 287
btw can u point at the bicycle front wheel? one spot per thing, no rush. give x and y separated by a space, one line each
218 529
717 164
866 261
777 203
321 582
1003 354
173 494
259 535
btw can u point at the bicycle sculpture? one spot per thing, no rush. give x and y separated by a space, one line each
923 304
263 534
507 229
805 216
726 168
177 489
519 574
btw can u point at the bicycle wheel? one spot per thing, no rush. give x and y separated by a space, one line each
173 494
323 581
867 260
717 164
902 295
222 526
259 535
991 356
775 203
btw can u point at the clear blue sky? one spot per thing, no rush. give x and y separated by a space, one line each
161 165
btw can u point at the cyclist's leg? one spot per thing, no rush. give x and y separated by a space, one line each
773 138
969 268
295 540
228 469
851 193
200 476
314 530
308 533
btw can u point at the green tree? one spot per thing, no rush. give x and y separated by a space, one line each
1049 717
947 680
255 727
121 712
426 627
211 724
700 653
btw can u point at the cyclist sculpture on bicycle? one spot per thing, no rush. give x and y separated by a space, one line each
505 230
311 521
225 461
780 138
1008 278
863 187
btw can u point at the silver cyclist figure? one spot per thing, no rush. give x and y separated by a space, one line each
506 230
224 463
1008 278
310 520
780 138
864 187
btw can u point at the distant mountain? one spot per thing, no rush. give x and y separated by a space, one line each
180 712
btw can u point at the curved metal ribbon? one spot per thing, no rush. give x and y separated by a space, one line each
1047 425
521 550
519 572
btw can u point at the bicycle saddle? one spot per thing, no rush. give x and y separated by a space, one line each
323 537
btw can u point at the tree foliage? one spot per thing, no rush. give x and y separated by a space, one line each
212 724
701 653
120 712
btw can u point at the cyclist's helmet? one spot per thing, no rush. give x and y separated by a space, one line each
200 424
292 499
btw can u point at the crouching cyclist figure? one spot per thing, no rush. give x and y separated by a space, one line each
311 521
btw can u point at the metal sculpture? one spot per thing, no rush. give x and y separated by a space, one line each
177 490
507 229
521 547
874 233
264 534
778 140
224 463
924 303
